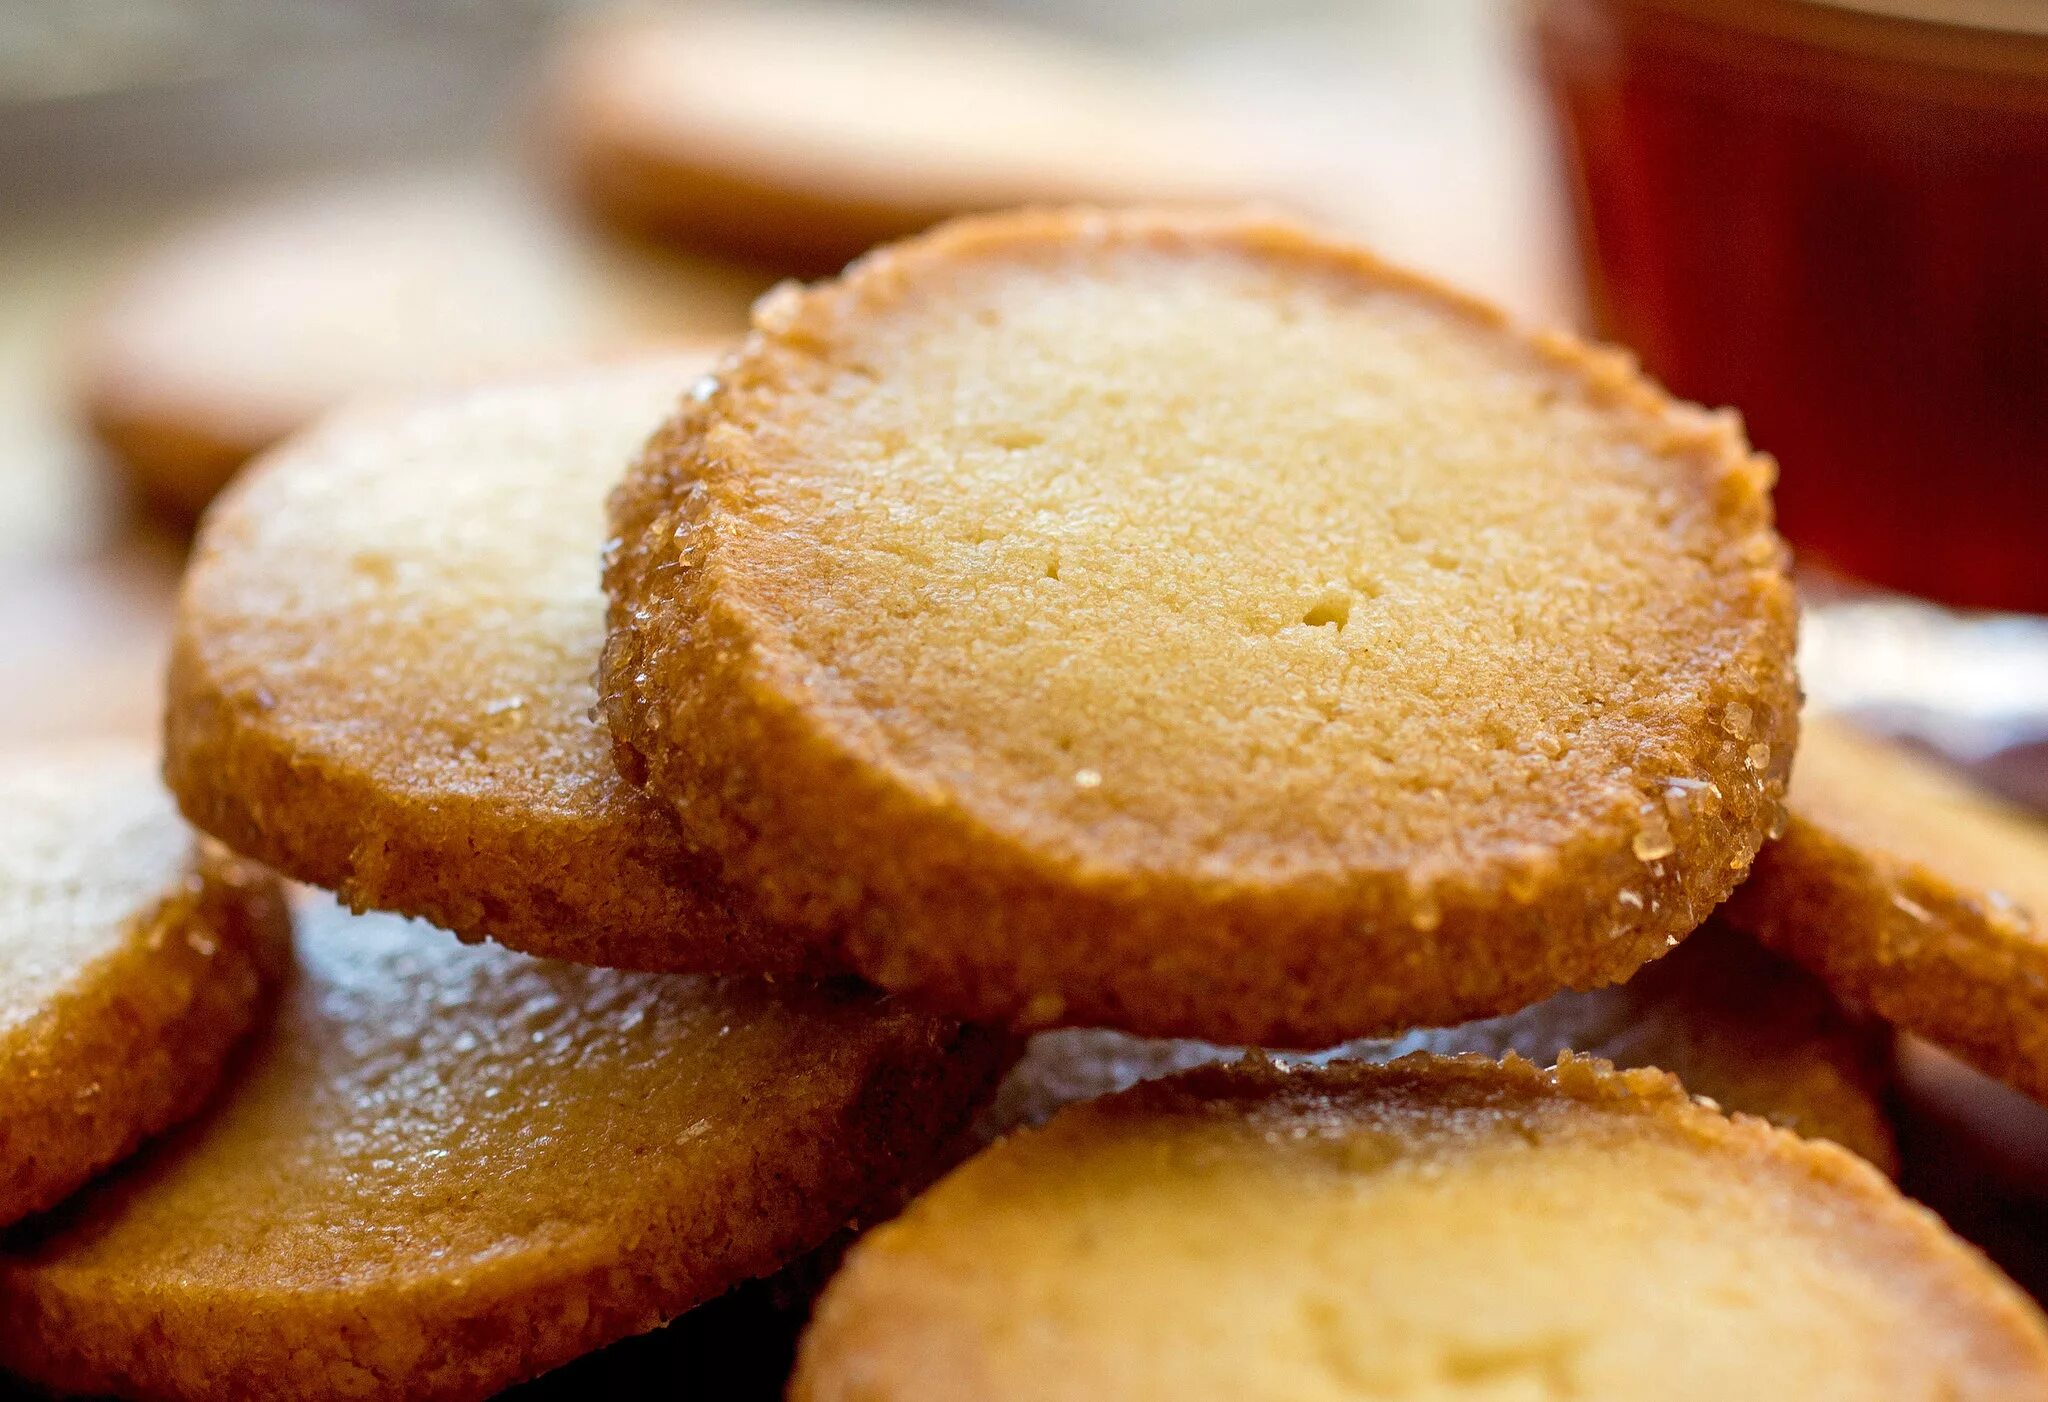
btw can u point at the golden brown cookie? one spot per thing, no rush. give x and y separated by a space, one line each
801 135
1912 892
1431 1229
1751 1031
451 1167
238 330
381 677
1187 625
132 962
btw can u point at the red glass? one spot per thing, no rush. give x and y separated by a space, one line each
1836 221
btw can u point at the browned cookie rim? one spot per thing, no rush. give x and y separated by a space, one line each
1939 957
141 1039
614 885
709 709
1326 1092
1738 1025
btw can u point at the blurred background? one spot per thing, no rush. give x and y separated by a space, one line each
220 217
152 153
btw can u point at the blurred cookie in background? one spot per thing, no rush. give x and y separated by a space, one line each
235 331
801 135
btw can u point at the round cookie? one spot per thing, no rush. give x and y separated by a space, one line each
233 333
801 135
381 675
450 1167
1912 892
132 962
1217 632
1435 1228
1750 1031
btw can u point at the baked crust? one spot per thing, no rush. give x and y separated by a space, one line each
132 963
448 1168
1913 893
1429 1229
1745 1028
380 678
900 824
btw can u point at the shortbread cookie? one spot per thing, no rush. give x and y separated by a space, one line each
381 677
1751 1031
235 332
1186 625
132 962
1914 893
451 1167
1432 1229
801 135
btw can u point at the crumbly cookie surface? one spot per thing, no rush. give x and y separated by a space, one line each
1436 1228
1914 893
1209 631
381 679
132 963
450 1167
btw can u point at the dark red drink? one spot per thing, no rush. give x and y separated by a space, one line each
1836 221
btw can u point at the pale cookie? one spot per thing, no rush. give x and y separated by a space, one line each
235 332
1187 625
1751 1031
1914 893
1434 1229
132 962
800 135
449 1167
381 677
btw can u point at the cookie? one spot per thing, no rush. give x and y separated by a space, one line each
381 677
236 331
1433 1228
450 1167
1210 631
801 135
132 962
1912 892
1751 1031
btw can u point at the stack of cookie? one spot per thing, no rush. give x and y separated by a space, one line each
1072 645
